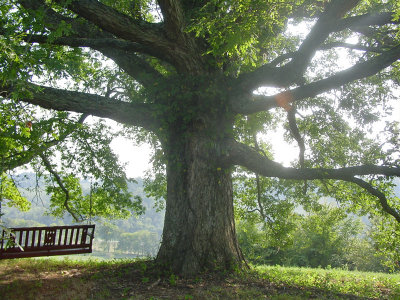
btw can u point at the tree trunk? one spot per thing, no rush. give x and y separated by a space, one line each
199 229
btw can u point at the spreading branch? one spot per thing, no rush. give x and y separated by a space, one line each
320 31
293 71
245 156
120 51
366 20
173 19
240 154
381 196
151 36
84 34
257 103
354 23
116 23
136 114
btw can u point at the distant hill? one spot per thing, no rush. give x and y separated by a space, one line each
32 188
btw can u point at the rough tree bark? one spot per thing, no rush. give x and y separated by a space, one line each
199 229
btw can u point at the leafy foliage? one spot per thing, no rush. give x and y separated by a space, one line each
324 238
11 195
235 28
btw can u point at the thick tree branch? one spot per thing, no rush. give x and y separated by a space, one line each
293 71
94 43
240 154
243 155
116 23
53 19
370 19
120 51
320 31
150 36
173 19
85 35
256 103
135 66
147 38
354 23
141 115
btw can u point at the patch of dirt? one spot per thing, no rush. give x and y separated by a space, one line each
23 282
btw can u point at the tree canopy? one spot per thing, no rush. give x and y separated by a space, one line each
206 82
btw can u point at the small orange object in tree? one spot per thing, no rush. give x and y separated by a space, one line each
29 125
284 99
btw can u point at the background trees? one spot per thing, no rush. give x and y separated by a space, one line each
324 238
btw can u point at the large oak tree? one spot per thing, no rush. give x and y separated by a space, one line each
185 72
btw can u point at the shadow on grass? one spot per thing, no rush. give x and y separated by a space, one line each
123 279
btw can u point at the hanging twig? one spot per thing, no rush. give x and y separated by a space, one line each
294 130
260 207
62 186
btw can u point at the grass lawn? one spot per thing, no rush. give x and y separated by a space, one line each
68 278
362 284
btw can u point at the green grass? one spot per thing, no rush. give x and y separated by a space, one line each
362 284
89 278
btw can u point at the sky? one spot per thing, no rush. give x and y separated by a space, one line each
136 157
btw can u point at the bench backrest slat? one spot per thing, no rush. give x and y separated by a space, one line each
26 238
33 238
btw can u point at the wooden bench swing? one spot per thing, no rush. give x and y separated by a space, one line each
46 241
